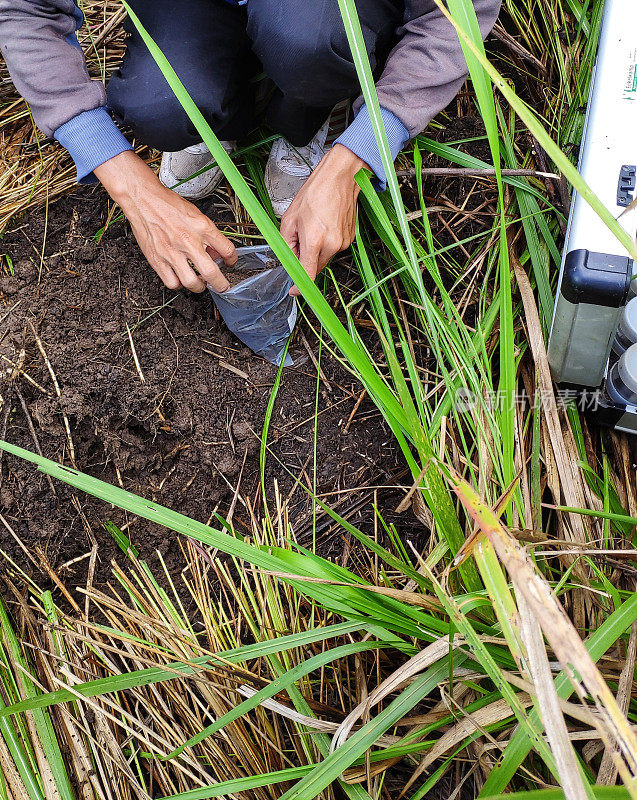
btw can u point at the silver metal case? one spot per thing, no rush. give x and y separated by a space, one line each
596 269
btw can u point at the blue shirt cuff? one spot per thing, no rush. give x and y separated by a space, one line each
91 138
359 138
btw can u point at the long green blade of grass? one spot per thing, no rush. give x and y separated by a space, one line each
343 757
309 290
520 745
366 79
280 684
177 669
536 128
43 727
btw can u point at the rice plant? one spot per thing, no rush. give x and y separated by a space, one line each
419 637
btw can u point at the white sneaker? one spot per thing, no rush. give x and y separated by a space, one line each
289 167
179 166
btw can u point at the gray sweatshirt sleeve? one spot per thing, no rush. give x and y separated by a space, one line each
423 73
427 68
47 66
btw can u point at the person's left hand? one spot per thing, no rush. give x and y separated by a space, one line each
321 221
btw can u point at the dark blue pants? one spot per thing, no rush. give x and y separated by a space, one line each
217 48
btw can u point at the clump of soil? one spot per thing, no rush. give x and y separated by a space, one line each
160 398
236 276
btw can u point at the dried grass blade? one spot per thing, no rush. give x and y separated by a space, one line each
494 712
560 633
607 774
432 653
548 704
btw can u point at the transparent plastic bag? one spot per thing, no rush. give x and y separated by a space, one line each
259 309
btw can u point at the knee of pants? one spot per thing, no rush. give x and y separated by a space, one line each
155 116
156 119
312 67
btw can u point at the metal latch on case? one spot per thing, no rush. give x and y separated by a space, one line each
626 185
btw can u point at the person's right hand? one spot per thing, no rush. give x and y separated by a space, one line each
172 233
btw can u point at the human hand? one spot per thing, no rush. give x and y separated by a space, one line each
179 241
321 221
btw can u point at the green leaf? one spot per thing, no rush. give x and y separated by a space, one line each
177 669
278 685
520 745
358 743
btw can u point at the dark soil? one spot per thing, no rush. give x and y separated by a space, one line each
235 276
181 428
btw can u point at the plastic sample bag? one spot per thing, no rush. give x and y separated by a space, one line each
259 309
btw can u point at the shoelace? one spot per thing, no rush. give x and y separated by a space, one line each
297 160
197 149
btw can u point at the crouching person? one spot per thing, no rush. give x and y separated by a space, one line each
217 47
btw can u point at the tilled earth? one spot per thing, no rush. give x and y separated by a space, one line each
160 399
